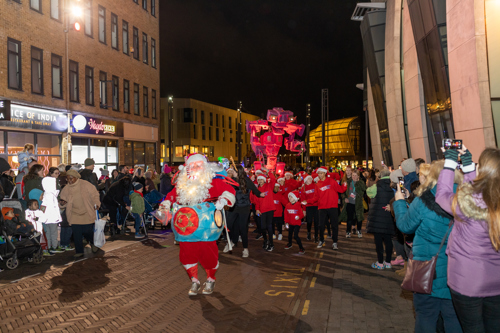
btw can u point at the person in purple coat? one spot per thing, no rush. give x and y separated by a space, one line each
474 242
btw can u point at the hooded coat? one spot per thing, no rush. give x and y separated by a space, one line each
429 222
117 191
52 213
380 220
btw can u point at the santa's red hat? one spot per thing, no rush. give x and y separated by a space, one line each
294 195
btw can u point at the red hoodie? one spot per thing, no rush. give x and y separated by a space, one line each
327 193
292 211
266 204
290 185
308 193
279 202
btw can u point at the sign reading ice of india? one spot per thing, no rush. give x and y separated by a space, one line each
91 125
34 118
4 110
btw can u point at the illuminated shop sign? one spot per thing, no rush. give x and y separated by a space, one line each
35 118
4 110
91 125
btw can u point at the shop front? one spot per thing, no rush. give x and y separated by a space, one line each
98 139
140 146
43 128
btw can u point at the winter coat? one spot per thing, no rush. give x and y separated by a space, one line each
150 185
52 213
165 184
8 184
117 191
31 184
89 195
137 202
473 263
24 159
430 223
380 220
359 189
409 179
243 199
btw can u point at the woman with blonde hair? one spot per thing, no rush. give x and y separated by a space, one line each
430 224
474 260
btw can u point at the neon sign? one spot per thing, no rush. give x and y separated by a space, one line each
88 125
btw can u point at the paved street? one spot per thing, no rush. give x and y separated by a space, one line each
139 286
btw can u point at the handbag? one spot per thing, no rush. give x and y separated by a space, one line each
420 274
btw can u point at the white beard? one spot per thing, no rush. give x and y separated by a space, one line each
194 190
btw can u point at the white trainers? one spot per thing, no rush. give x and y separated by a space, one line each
320 244
360 235
334 246
239 239
208 287
195 287
245 253
226 249
280 237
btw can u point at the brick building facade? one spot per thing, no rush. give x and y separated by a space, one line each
78 94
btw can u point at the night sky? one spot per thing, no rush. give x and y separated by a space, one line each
267 54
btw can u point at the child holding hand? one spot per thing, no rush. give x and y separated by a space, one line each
293 218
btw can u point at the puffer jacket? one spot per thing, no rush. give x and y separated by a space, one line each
430 223
380 220
52 213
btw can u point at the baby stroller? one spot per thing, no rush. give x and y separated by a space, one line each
152 201
17 246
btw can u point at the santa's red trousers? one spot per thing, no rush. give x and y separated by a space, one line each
205 253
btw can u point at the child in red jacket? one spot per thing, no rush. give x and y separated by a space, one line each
279 202
293 217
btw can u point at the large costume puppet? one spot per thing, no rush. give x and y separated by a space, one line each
196 201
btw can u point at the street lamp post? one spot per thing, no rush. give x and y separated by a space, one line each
239 135
170 114
308 128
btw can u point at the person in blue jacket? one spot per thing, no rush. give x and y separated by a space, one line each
430 223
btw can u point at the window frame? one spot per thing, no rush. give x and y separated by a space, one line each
115 84
117 48
58 18
126 93
99 23
20 64
125 45
103 90
77 88
153 52
153 104
145 59
135 43
153 8
87 18
52 66
138 112
40 69
40 6
89 79
145 5
145 102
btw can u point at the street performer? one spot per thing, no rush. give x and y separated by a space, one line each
198 194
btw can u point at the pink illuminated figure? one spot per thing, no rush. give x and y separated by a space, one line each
278 123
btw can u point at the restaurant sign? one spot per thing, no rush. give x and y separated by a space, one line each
92 125
34 118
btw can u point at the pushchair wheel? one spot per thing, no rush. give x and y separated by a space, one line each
12 263
38 257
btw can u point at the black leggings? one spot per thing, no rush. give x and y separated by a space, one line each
294 230
312 216
278 223
237 222
266 224
351 218
380 240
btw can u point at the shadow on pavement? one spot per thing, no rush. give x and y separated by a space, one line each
232 317
153 244
82 277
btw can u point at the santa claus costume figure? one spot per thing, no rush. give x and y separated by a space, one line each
196 201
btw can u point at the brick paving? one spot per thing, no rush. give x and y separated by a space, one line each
141 287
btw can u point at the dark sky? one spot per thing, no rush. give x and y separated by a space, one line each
267 54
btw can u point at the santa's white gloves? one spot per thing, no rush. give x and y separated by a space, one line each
221 202
165 205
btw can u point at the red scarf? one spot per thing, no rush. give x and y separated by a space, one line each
142 195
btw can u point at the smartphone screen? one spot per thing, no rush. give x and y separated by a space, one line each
401 184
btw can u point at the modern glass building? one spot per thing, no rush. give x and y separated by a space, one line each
432 72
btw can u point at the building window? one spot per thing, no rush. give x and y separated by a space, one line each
55 9
57 85
145 100
153 104
194 132
196 116
89 85
103 90
230 135
136 1
216 134
73 82
210 133
102 24
145 4
153 53
229 121
14 64
223 135
223 121
88 18
188 115
126 96
36 70
217 120
125 36
136 100
144 48
202 115
203 136
211 119
116 91
114 31
136 43
36 5
153 7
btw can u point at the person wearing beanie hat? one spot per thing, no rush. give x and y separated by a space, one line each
327 194
137 207
89 175
293 218
409 169
166 180
308 198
